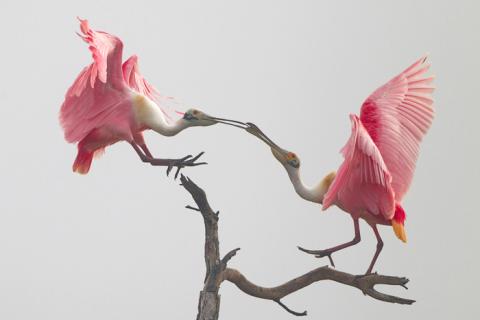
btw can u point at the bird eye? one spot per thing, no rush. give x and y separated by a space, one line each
194 111
294 163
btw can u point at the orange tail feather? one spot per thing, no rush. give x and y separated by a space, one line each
398 223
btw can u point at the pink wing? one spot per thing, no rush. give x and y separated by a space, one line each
363 182
397 116
136 82
98 89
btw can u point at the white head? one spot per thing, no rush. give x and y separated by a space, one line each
196 117
288 159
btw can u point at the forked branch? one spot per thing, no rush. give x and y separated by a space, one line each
365 283
217 270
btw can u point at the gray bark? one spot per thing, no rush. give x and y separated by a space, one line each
217 270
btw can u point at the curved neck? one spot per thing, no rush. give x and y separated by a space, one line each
168 129
314 194
148 114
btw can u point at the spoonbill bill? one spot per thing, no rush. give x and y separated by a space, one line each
111 102
380 157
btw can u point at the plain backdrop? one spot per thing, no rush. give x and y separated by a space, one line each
118 243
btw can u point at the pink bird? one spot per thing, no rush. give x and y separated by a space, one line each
380 157
111 102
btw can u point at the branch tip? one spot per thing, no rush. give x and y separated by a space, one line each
295 313
229 256
192 208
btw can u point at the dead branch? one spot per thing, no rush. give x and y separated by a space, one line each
217 270
365 283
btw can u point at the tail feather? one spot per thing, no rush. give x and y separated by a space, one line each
83 161
398 223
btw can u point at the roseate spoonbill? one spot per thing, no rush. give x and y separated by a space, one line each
380 157
110 102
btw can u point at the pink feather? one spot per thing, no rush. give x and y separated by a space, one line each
381 154
136 82
99 90
362 181
98 107
397 116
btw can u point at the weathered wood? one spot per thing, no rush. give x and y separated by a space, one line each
209 300
208 306
365 283
217 270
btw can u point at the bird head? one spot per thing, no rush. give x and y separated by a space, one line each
287 158
195 117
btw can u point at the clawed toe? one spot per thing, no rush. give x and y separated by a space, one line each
319 254
187 161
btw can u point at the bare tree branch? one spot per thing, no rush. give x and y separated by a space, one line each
365 283
217 270
210 218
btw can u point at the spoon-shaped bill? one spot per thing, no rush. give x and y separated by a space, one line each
254 130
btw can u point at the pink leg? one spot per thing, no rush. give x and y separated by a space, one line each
328 252
146 156
145 149
379 248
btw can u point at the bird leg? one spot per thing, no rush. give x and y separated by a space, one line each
146 150
146 156
379 249
328 252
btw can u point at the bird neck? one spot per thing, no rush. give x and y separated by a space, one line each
169 129
313 194
149 115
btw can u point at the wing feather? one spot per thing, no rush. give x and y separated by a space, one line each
397 116
363 181
99 88
136 82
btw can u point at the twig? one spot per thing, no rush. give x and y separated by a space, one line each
295 313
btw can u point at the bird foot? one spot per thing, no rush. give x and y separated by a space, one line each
188 161
319 254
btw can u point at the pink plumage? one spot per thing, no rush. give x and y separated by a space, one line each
381 153
380 157
363 181
135 81
98 107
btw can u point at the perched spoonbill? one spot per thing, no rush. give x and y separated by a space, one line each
110 102
380 157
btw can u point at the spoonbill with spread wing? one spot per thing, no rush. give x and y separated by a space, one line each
111 102
380 157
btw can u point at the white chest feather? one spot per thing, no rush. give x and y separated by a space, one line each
146 111
148 115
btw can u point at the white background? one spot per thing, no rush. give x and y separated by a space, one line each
118 243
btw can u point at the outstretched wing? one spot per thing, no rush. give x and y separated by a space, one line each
136 82
362 181
99 87
397 116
